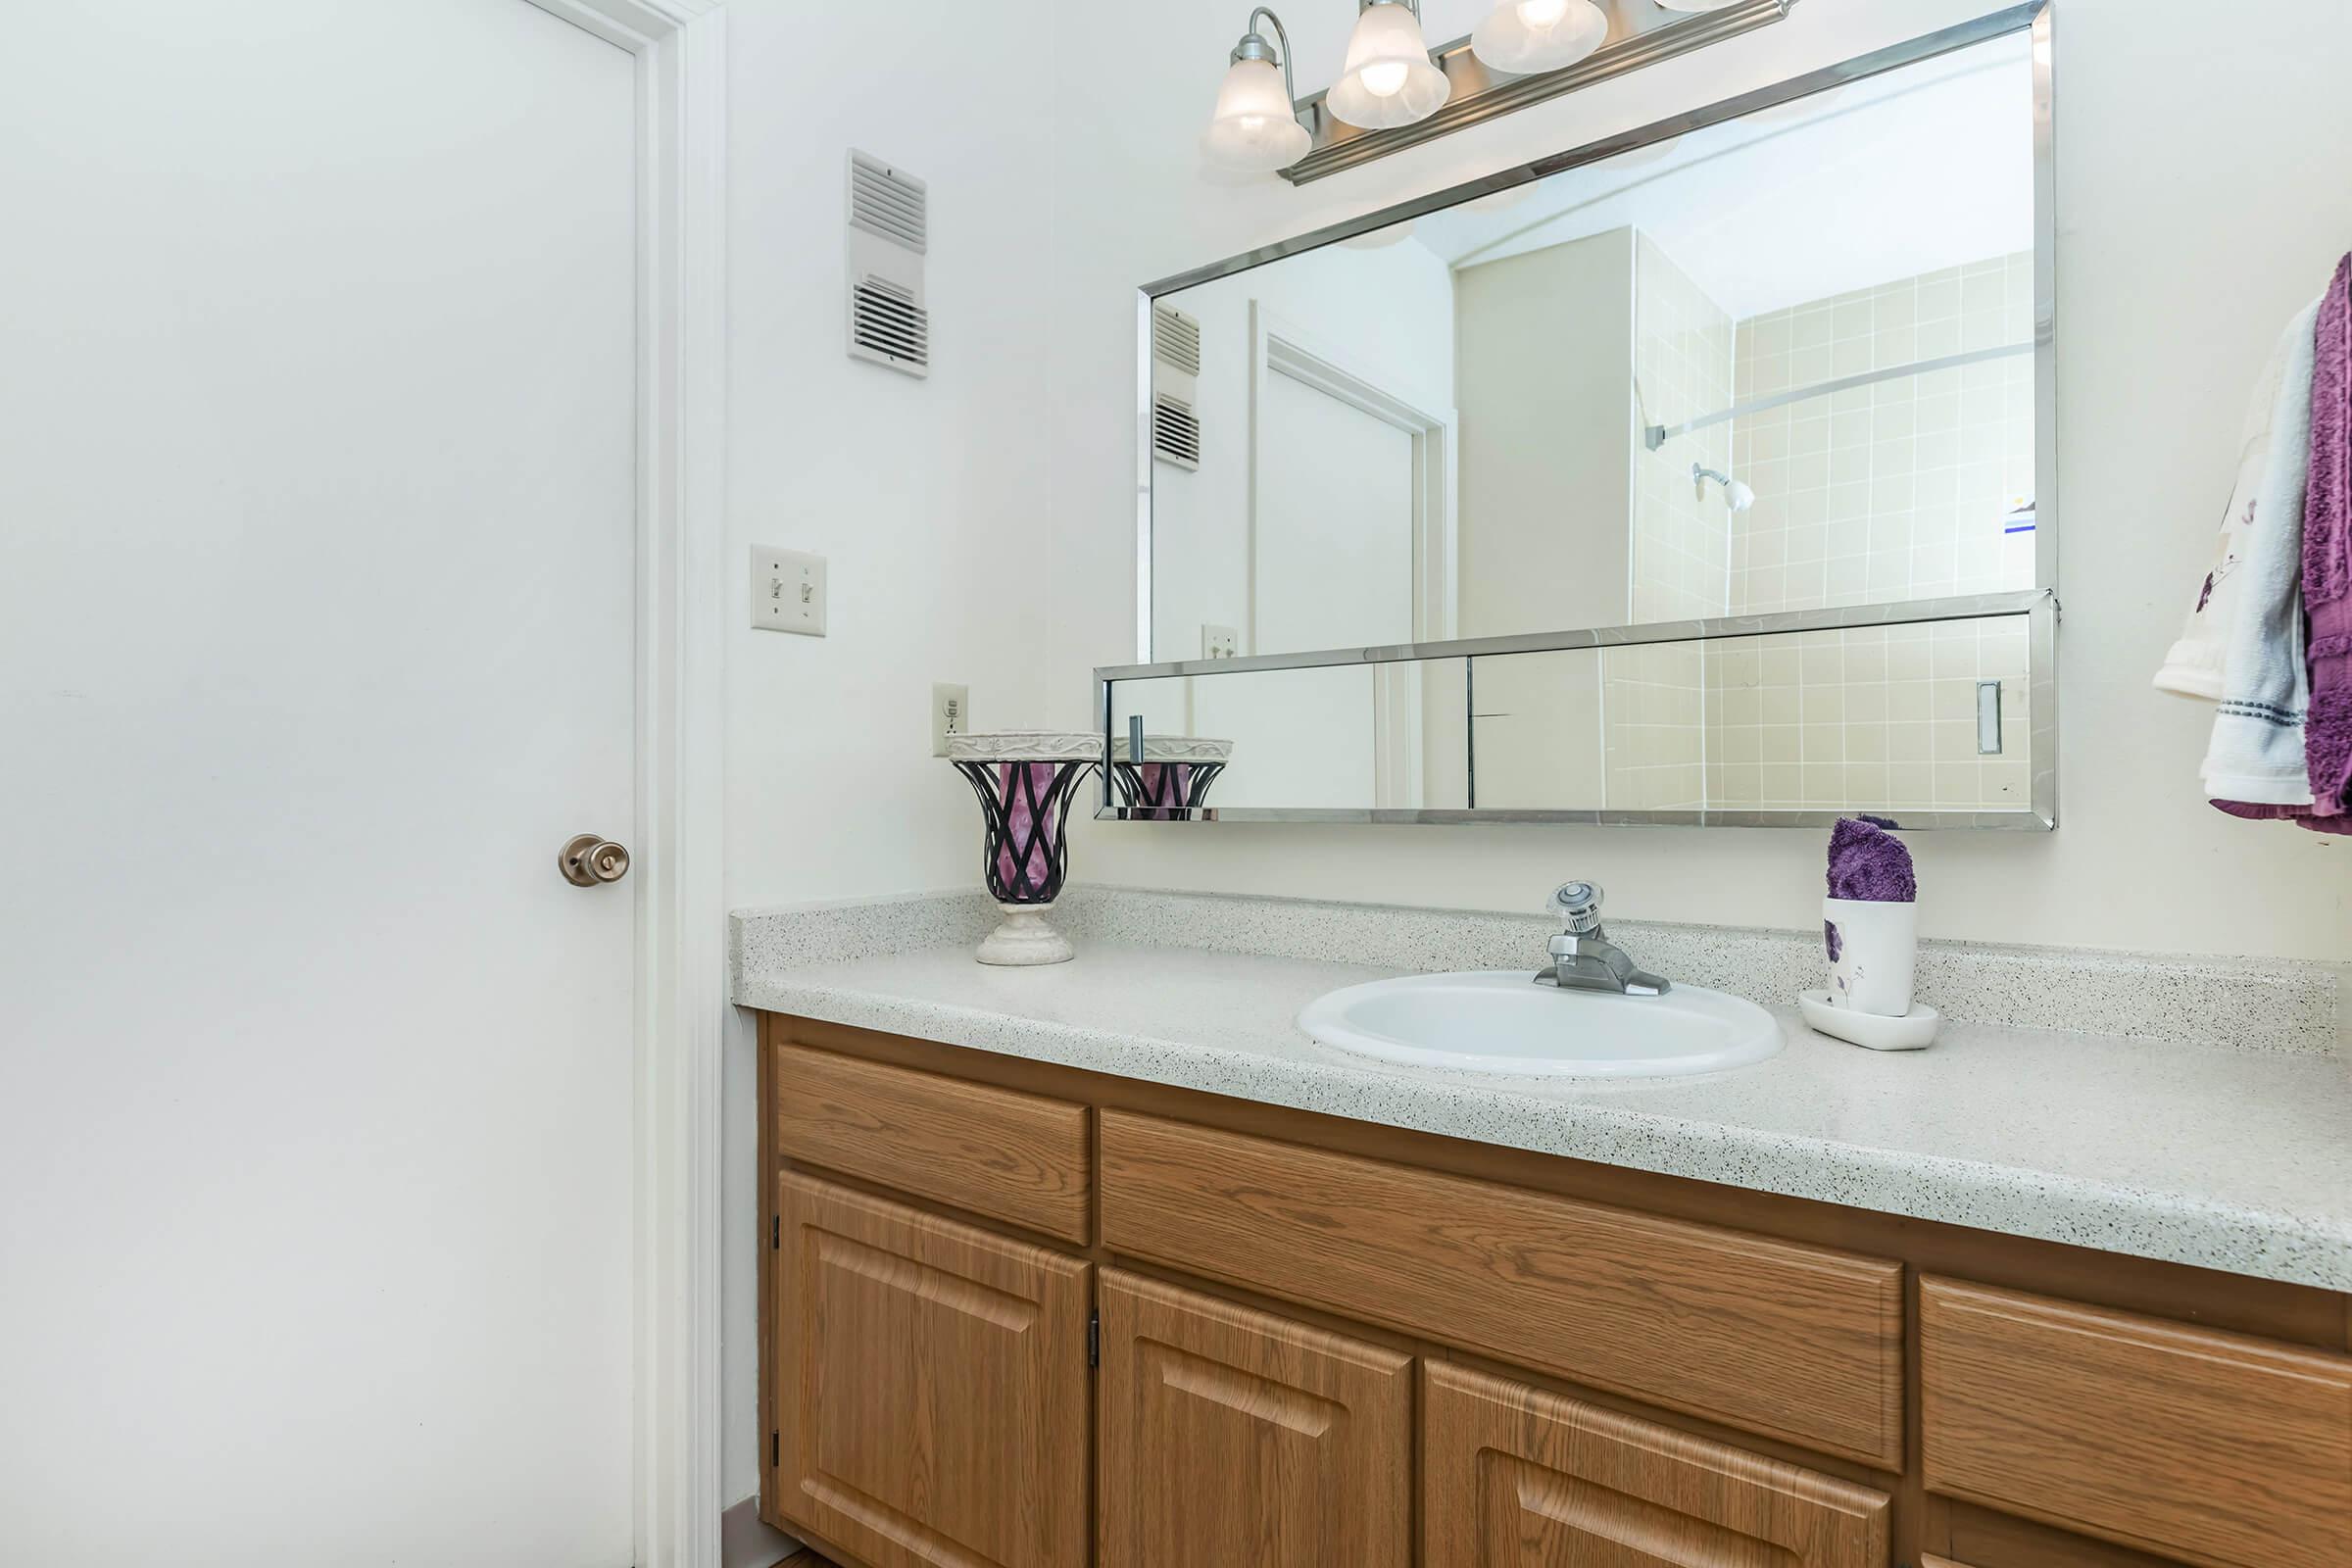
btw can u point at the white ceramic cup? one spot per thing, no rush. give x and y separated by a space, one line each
1871 948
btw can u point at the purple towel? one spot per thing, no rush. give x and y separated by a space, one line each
2327 557
1868 862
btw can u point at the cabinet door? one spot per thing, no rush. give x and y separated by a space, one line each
1514 1477
932 1384
1233 1437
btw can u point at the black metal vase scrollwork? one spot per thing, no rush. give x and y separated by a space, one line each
1025 781
1170 781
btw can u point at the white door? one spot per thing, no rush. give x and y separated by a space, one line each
1332 548
317 522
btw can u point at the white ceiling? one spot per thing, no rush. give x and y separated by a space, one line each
1908 172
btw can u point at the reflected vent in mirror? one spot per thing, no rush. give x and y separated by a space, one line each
1175 387
1175 433
1175 340
890 228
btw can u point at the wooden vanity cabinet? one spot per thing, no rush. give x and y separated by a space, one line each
933 1385
1514 1477
2220 1449
1323 1343
1226 1435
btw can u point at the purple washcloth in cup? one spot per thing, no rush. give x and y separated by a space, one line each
1870 864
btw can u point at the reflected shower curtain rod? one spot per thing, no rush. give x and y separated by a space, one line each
1659 434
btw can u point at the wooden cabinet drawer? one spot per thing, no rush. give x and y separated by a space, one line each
1234 1437
2217 1448
1513 1475
1797 1342
995 1152
931 1385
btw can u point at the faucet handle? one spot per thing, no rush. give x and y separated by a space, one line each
1577 906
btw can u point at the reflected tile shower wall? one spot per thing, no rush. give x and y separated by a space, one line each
1652 698
1915 487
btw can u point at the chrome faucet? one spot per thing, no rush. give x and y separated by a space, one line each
1583 958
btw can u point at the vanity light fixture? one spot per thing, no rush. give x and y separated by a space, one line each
1255 127
1526 36
1388 79
1394 92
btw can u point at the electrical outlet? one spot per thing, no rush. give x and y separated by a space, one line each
788 591
1219 642
951 714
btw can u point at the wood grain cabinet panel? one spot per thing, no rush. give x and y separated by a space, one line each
1012 1156
1231 1436
1793 1341
2217 1448
932 1397
1515 1477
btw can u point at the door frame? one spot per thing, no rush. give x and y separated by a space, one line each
1278 348
680 959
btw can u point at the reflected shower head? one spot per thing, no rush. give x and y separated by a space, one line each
1737 496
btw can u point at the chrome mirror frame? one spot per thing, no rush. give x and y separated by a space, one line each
2039 603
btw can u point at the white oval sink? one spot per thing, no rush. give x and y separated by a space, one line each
1499 1020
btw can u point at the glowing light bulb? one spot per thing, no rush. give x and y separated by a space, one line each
1388 79
1527 37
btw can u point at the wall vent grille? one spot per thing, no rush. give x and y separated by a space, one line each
1175 387
885 202
888 231
887 324
1176 340
1175 433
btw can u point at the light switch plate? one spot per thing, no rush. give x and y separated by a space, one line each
951 714
788 591
1219 642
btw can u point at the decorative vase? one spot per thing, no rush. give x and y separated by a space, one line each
1871 948
1025 780
1170 781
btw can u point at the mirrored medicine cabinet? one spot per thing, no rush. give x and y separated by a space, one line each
1700 475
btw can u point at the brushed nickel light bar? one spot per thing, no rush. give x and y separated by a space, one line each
1395 92
1642 32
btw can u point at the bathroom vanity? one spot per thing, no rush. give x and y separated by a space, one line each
1026 1311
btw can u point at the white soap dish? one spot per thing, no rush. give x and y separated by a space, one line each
1911 1032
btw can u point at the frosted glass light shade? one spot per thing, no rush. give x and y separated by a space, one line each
1254 128
1526 36
1696 5
1388 79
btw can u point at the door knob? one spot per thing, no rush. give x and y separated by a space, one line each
591 859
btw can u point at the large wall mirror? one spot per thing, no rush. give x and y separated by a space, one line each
1718 457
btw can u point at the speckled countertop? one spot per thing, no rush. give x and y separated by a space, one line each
2226 1159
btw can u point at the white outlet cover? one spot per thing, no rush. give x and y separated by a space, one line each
788 591
1219 642
951 714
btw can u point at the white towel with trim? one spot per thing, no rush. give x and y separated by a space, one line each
2192 665
2256 754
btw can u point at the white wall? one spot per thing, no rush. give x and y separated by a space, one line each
1542 341
2192 226
932 500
